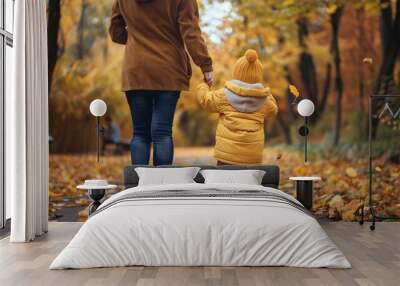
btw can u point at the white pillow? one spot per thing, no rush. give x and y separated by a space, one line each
248 177
166 176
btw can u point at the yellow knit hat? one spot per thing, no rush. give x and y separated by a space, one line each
248 68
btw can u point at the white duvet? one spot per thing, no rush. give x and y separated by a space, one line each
200 231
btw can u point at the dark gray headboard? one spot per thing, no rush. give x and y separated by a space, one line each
271 177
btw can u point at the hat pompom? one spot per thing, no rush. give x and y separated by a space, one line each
248 68
251 56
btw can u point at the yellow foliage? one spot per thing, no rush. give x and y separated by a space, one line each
270 27
293 89
351 172
332 8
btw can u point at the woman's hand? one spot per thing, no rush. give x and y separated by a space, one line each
209 78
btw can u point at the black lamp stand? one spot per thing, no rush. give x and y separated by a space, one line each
99 133
95 195
303 131
98 137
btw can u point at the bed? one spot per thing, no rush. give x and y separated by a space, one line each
197 224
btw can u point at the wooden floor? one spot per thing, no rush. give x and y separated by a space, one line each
375 257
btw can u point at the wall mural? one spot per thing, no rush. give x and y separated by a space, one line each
241 85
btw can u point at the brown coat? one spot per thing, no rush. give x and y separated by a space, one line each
155 33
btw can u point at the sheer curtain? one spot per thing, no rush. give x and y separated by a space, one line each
27 124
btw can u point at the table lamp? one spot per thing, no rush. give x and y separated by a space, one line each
98 108
305 108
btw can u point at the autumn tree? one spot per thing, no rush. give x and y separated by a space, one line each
53 27
390 45
335 19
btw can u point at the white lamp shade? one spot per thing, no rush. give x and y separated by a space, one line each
98 107
305 107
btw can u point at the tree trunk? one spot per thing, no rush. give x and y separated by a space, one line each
309 78
307 67
361 51
285 129
80 45
289 96
361 91
308 73
385 24
325 91
302 31
390 35
53 27
390 38
335 51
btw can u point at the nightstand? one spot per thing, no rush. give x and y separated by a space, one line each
96 189
304 190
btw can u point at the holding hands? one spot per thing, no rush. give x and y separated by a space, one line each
209 78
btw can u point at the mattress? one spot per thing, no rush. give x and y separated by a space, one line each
201 225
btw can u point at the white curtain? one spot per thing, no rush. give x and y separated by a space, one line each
27 124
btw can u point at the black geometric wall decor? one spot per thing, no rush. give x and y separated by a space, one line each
390 110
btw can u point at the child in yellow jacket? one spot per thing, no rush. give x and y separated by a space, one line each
243 104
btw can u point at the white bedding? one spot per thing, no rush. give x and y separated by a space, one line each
190 231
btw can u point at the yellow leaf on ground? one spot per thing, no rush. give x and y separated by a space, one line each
351 172
394 174
349 210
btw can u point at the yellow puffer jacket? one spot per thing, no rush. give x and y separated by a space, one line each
242 108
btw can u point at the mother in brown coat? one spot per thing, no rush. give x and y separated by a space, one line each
156 67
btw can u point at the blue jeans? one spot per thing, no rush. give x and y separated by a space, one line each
152 117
